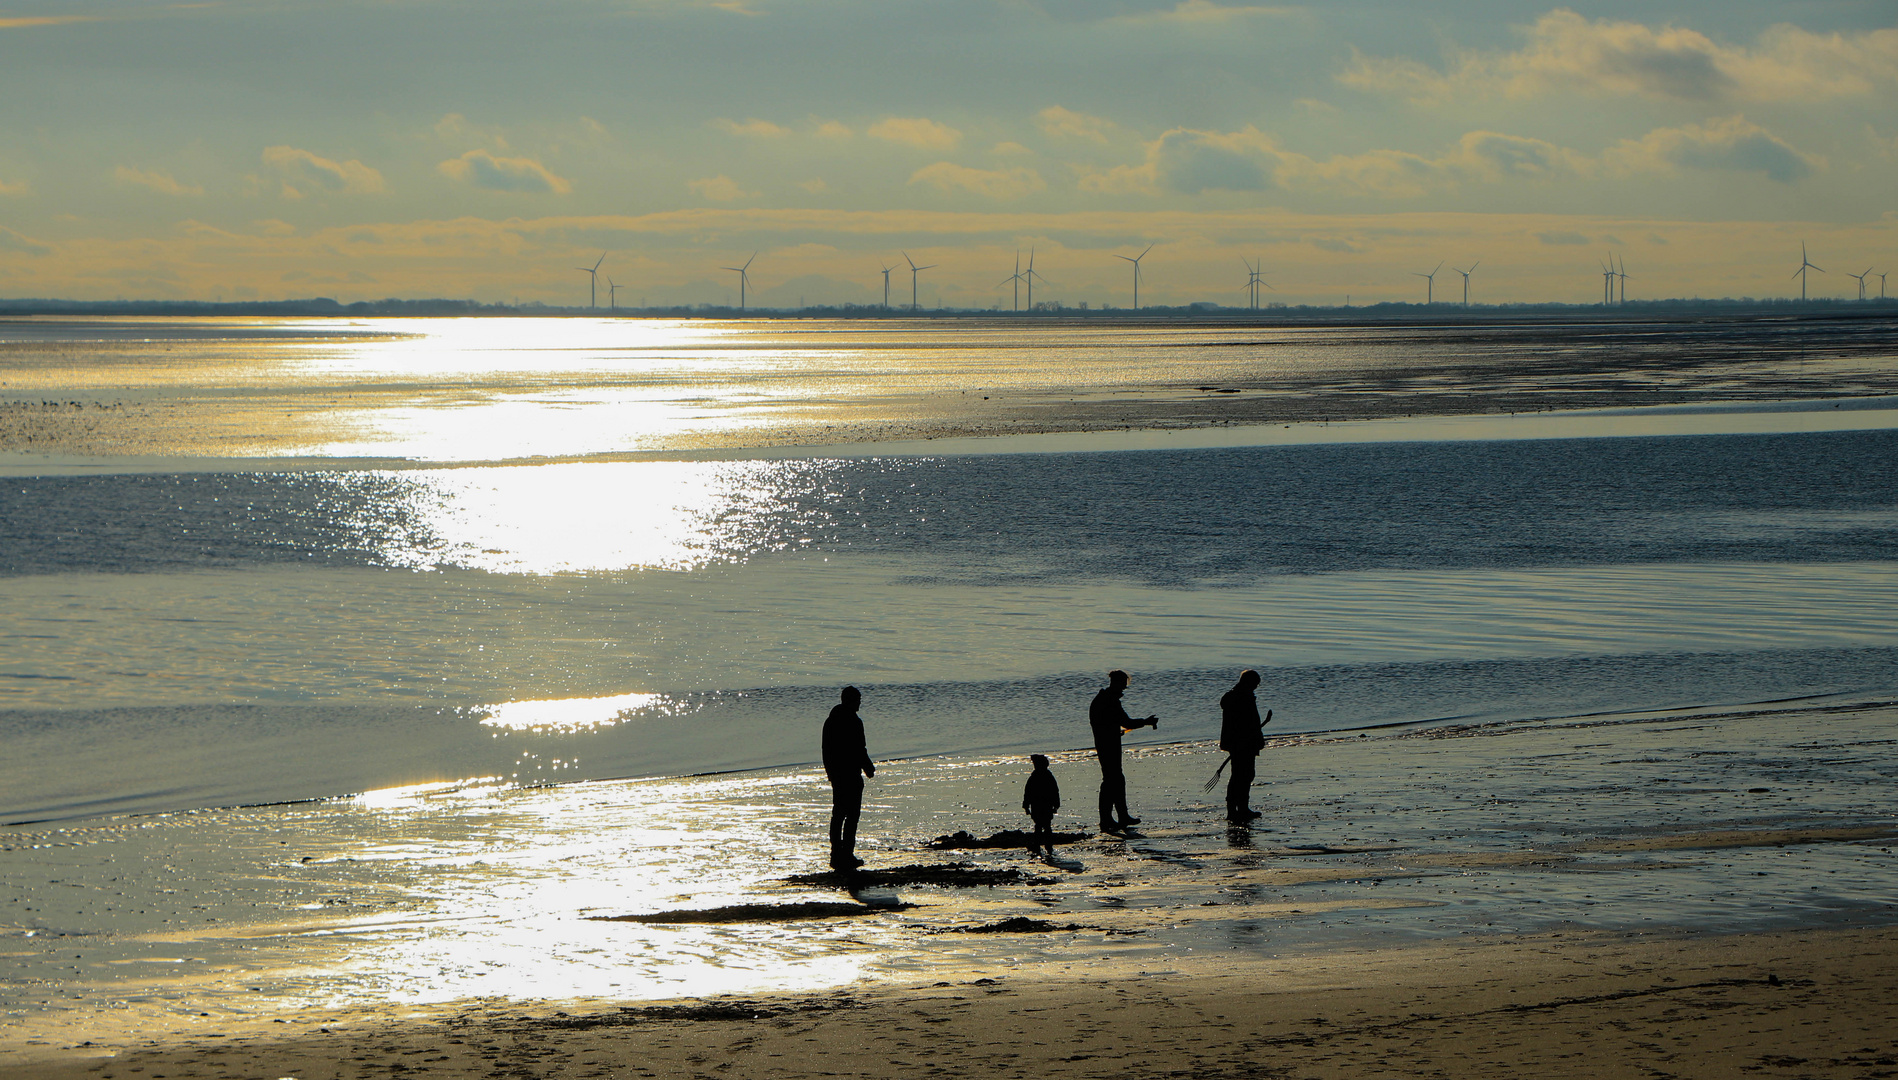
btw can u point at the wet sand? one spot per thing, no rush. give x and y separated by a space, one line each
1796 1004
506 389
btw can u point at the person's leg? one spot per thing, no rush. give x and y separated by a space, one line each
1239 787
1111 780
1044 832
1120 800
846 805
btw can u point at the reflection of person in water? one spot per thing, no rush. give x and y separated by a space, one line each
1039 800
1110 721
846 762
1241 734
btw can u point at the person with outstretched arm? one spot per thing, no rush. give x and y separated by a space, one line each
1242 735
1110 721
846 762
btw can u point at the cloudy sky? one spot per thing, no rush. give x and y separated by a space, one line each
486 148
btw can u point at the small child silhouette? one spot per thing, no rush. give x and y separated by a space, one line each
1039 800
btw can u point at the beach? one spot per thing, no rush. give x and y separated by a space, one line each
470 726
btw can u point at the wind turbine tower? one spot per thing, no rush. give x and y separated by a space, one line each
886 287
1805 264
913 271
1861 281
1881 286
1029 275
1016 278
612 295
593 280
1136 261
1466 280
1255 280
1622 274
1430 284
744 278
1607 283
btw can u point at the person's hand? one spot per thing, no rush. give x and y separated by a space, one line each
869 769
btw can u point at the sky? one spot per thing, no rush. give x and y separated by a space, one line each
488 149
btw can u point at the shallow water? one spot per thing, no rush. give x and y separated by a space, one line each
177 648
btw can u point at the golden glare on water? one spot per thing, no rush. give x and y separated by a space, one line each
572 715
574 518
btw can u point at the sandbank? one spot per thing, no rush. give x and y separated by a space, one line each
1790 1004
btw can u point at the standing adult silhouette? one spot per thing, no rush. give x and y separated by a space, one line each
846 762
1242 735
1110 721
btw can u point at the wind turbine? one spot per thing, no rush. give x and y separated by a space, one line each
1255 280
1016 278
593 280
1881 286
1466 280
744 278
1136 261
1804 265
612 295
1029 275
1623 275
1430 284
886 287
1607 282
1861 281
913 271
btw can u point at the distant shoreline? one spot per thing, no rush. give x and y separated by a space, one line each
1202 312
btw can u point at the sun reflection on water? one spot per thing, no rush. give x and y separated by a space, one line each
581 517
571 715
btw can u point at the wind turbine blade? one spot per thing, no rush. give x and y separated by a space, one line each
910 261
1144 253
1473 266
601 259
1125 257
753 259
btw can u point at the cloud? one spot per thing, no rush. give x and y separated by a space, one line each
20 187
160 182
720 188
12 241
1205 12
751 128
516 174
1009 149
831 129
456 126
21 22
1566 52
304 173
1190 162
997 184
814 185
1730 145
1561 237
915 131
1066 123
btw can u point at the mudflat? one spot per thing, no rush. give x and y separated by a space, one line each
1811 1003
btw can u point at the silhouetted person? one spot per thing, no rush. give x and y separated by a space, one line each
1241 734
1040 799
1110 721
846 762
